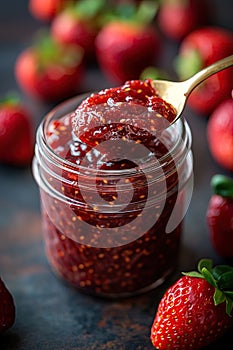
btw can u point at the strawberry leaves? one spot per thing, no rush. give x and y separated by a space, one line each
50 52
222 185
89 8
196 309
188 65
141 14
10 99
220 277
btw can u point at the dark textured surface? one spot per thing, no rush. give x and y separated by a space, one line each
50 314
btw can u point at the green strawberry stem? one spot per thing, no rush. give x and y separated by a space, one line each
222 185
220 277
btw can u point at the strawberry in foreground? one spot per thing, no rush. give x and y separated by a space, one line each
196 310
219 215
199 49
16 133
50 71
220 134
7 308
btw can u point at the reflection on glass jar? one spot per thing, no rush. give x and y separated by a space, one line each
112 214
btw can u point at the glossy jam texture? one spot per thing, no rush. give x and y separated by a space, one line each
133 111
81 258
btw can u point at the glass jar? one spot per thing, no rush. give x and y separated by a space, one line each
107 231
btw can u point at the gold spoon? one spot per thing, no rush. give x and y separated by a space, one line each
176 93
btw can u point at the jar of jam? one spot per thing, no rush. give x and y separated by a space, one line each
114 189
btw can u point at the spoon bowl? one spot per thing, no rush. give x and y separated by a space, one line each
176 93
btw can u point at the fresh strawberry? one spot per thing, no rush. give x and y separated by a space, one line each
124 49
177 18
77 24
128 41
16 133
196 310
46 10
50 71
220 134
219 216
7 308
199 49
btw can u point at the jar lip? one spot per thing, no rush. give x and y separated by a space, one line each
66 164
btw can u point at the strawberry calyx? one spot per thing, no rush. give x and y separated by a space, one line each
222 185
87 9
188 64
140 14
154 73
220 277
11 99
48 51
147 11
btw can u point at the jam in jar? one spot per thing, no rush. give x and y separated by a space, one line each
115 179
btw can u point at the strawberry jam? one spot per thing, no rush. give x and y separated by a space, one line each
113 178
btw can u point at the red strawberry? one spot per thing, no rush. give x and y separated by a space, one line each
7 308
219 216
196 310
177 18
50 71
78 25
46 10
199 49
124 49
220 134
16 133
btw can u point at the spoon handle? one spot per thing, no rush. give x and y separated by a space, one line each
197 78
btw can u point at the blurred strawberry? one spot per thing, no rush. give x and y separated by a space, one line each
124 49
7 308
46 10
50 71
16 133
128 41
177 18
219 215
199 49
78 24
220 134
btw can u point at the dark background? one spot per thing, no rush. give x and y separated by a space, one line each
50 314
